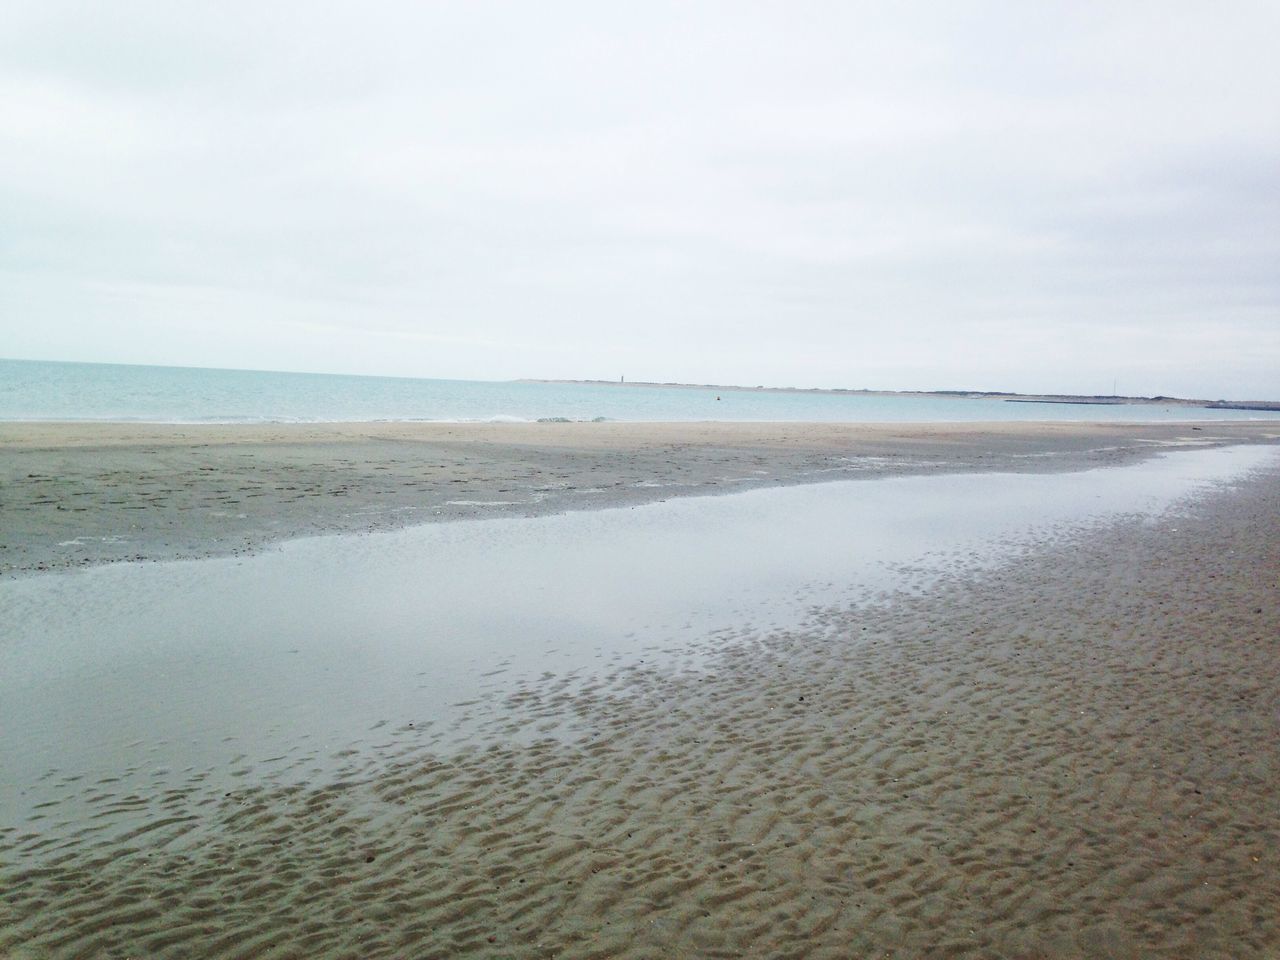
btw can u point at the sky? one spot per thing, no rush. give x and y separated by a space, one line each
1060 197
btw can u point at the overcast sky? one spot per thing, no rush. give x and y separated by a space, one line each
1005 195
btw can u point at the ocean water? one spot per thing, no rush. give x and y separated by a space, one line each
41 390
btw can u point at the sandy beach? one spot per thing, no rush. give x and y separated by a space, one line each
613 482
78 494
1072 753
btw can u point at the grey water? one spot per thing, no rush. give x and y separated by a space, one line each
212 664
38 390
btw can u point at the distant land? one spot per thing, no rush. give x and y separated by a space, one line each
1096 399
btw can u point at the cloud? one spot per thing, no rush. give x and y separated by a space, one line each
992 195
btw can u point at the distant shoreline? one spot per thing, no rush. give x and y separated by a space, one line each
1063 398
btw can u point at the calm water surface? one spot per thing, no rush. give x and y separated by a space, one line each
31 390
206 665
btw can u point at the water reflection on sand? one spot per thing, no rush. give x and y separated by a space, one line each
303 650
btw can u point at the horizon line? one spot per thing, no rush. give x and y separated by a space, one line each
660 384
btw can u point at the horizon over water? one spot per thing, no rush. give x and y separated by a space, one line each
47 390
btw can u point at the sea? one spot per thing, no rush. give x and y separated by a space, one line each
46 391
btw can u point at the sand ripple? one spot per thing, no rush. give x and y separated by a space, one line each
1075 755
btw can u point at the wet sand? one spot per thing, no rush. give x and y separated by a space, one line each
78 494
296 653
1072 754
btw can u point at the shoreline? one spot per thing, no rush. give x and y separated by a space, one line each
82 494
1006 395
1071 754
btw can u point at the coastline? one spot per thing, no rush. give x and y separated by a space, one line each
81 494
1005 395
1071 754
